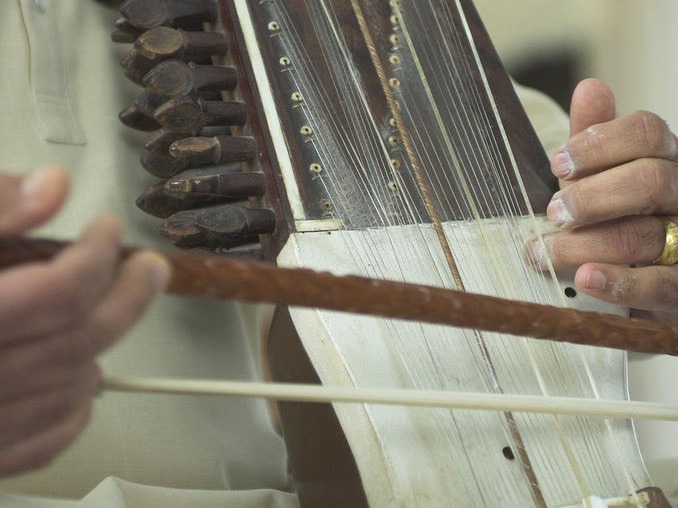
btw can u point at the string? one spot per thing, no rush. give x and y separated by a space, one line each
341 45
320 147
490 247
542 383
328 150
633 485
588 371
433 213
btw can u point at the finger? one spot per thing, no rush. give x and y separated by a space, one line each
43 298
39 450
35 412
641 187
139 280
650 288
29 201
593 102
633 240
606 145
30 368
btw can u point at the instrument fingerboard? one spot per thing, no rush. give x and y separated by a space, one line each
383 107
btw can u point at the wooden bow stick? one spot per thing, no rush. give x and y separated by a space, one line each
227 278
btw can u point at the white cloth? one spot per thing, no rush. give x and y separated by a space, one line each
58 63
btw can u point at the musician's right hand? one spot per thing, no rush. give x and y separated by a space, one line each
56 317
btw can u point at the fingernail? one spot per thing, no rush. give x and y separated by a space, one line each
595 280
558 210
562 165
538 252
159 271
36 184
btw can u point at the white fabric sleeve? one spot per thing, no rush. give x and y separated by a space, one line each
549 120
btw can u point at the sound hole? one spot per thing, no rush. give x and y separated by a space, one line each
570 292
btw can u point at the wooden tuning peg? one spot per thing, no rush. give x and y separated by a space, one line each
133 117
136 66
125 32
161 141
221 226
161 165
156 157
146 14
164 43
174 77
227 184
201 151
139 114
156 202
185 114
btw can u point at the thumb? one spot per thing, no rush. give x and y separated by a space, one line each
27 202
593 102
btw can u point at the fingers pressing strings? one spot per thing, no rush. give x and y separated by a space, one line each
602 146
632 240
642 187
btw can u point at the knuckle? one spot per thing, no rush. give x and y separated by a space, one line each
77 349
554 248
594 140
656 183
666 290
70 302
630 239
652 131
622 290
579 197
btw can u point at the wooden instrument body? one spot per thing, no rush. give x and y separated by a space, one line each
403 457
413 457
375 149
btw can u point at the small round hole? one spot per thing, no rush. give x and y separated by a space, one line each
508 453
570 292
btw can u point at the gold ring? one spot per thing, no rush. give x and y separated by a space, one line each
669 255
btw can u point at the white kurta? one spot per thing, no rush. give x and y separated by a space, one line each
61 81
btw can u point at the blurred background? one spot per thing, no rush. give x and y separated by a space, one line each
552 44
633 45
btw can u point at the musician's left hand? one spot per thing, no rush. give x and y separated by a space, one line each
618 177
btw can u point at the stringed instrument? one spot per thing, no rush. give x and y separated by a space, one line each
383 139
